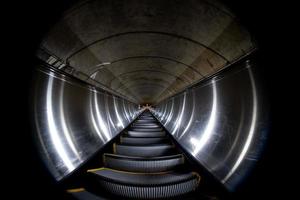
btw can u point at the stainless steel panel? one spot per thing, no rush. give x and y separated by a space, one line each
222 123
73 120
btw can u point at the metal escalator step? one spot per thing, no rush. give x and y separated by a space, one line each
146 120
140 164
150 119
142 140
144 151
146 134
146 123
146 186
147 113
146 126
146 129
146 117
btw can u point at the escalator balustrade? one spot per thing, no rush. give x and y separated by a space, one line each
144 164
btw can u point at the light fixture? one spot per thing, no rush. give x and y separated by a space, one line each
99 66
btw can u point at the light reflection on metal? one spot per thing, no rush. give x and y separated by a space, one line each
191 118
221 130
201 140
125 110
170 113
54 133
120 123
251 131
179 118
235 143
109 112
64 124
164 113
95 125
100 122
73 120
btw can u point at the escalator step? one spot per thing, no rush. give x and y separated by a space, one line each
144 151
149 118
143 122
145 165
146 117
146 134
142 140
146 186
139 164
146 126
146 129
146 120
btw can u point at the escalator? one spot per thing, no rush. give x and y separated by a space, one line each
144 164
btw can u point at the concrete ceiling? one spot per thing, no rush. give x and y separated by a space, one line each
155 48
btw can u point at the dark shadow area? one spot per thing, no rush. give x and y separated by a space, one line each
270 23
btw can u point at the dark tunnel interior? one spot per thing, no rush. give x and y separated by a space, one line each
140 99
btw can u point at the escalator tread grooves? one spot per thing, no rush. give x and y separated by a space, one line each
143 158
103 178
144 165
150 192
147 151
143 141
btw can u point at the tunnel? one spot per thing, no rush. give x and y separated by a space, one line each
142 99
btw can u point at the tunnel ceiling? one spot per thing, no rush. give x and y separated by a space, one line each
146 50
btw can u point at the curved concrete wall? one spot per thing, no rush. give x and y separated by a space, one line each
222 123
147 50
73 120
